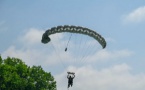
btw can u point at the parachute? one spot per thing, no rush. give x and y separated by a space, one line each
83 45
82 48
73 29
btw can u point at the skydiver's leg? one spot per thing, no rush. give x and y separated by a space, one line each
68 85
71 84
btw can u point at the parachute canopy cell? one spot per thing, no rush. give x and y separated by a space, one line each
73 29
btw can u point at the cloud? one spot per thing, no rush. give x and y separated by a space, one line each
37 57
44 57
138 15
33 36
30 57
105 55
117 77
33 52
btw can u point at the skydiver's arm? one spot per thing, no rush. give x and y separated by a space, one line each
74 76
67 76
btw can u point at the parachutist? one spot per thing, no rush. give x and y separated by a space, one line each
70 77
65 49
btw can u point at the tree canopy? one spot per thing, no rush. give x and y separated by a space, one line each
16 75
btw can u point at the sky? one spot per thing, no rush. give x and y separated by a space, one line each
120 66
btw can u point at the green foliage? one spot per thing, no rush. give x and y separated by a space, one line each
16 75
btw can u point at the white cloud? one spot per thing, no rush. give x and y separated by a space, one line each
137 15
105 55
33 52
117 77
30 57
53 52
33 36
44 57
37 57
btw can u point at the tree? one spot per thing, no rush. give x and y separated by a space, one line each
16 75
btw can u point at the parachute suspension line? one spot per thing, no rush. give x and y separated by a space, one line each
68 42
81 49
78 48
58 56
86 46
85 59
90 47
90 52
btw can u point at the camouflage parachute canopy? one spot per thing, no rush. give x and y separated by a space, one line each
73 29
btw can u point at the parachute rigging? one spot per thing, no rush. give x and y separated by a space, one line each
81 50
68 42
